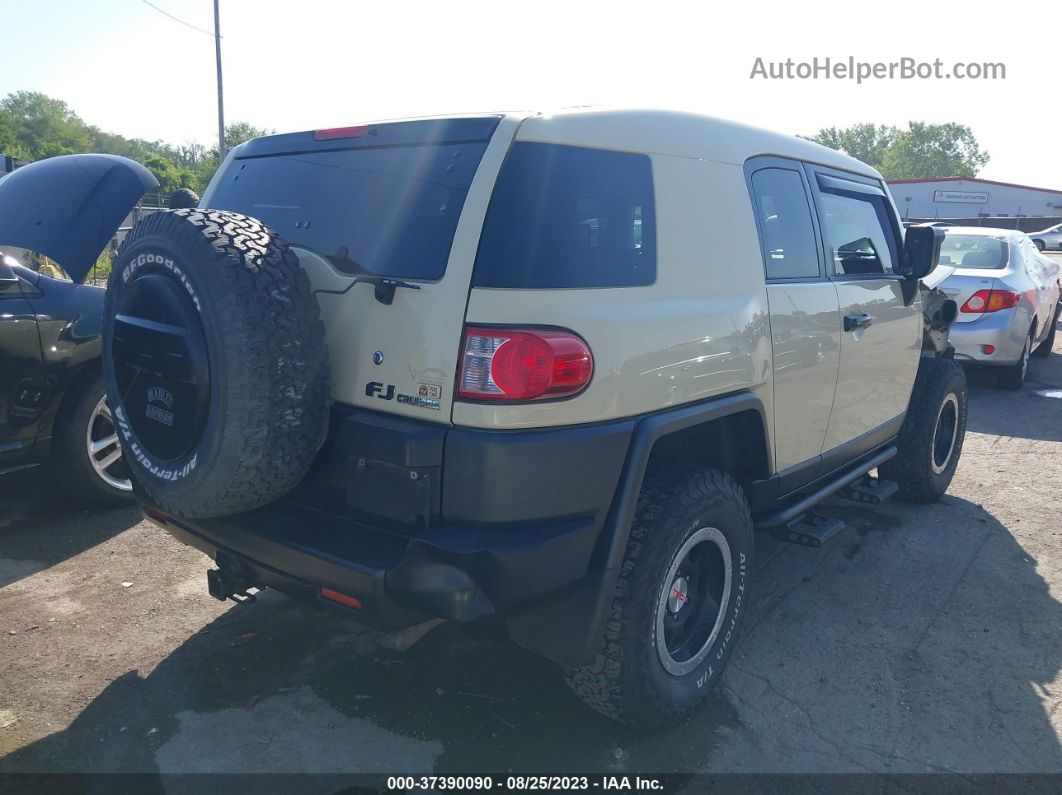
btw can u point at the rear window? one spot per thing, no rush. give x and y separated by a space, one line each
567 216
383 211
973 251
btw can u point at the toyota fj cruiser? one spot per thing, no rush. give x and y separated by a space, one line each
552 370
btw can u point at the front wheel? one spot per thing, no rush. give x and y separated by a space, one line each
679 602
1039 244
930 441
87 453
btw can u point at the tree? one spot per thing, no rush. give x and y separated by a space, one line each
43 126
866 142
239 132
34 126
922 150
165 172
934 150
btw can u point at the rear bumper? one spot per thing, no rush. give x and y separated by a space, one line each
459 573
1005 330
415 521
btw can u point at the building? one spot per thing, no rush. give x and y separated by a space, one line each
966 197
9 163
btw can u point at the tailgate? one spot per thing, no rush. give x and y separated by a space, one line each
385 219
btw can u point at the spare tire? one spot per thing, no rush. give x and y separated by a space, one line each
215 362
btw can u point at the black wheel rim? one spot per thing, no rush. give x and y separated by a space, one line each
693 601
161 365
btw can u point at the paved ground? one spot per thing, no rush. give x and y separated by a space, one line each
924 639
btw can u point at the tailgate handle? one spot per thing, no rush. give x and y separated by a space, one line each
853 322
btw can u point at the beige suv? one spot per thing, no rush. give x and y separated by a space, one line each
548 369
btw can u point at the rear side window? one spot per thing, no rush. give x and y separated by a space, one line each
567 216
790 250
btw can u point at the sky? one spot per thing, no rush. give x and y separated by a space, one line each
304 64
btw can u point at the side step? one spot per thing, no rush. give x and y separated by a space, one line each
809 529
870 490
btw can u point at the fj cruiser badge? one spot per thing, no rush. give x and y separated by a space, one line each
388 392
164 413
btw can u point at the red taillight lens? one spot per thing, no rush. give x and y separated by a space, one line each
335 133
990 301
522 364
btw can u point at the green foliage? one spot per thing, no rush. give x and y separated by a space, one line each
921 151
34 126
240 131
934 150
866 142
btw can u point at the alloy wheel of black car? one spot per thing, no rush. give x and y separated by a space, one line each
215 362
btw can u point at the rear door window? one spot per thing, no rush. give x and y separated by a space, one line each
567 216
787 232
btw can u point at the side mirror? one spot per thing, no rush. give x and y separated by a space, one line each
921 250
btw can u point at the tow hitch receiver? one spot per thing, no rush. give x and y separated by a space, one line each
224 585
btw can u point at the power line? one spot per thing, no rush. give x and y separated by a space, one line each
176 19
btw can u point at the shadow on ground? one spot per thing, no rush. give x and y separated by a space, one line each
27 503
921 641
1033 413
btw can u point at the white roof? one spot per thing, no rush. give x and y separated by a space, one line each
678 133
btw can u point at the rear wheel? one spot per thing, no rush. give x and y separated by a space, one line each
679 601
1013 377
1039 244
930 442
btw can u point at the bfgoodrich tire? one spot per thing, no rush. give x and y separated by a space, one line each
214 361
930 442
679 602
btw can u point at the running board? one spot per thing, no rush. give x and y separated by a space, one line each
870 490
806 503
809 530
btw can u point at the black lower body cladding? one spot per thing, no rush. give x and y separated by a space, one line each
215 362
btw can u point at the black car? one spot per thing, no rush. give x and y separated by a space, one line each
52 402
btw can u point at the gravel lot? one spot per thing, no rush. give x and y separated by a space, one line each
921 640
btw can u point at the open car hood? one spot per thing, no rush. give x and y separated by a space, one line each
69 207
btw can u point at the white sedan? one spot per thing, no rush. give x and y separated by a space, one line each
1008 299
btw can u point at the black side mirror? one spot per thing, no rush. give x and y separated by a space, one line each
921 250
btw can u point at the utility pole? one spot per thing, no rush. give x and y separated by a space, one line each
221 100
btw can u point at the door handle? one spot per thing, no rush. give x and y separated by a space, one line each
853 322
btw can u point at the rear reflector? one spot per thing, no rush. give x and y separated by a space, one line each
335 133
341 598
157 515
988 350
990 301
522 364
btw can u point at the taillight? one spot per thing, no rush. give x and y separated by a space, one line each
990 301
336 133
522 364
